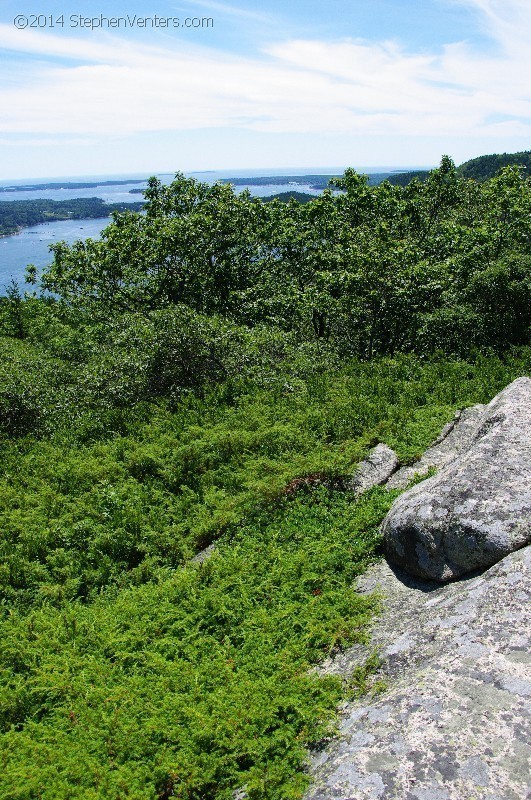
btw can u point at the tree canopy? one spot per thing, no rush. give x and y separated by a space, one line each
438 264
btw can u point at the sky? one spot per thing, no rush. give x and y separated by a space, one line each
207 85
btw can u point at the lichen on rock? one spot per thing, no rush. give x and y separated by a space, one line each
455 721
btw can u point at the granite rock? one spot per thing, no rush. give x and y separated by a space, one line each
376 468
455 720
477 508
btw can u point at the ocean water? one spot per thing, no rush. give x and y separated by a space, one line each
31 245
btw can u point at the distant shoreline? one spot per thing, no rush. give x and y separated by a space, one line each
15 215
49 222
67 185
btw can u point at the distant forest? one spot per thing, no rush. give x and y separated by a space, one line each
480 169
315 181
16 214
403 178
485 167
285 197
318 182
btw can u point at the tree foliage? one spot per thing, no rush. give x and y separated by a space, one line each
485 167
370 269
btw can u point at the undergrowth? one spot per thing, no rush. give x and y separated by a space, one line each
198 683
128 671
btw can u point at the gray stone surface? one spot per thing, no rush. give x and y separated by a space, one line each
455 722
453 440
203 554
380 463
477 509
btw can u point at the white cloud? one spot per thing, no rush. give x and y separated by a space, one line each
34 141
110 85
507 21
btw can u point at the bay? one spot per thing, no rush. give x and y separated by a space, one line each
31 245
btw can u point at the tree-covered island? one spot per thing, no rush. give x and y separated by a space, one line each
17 214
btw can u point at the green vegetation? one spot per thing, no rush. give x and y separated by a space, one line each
16 214
196 683
210 371
403 178
300 197
485 167
480 169
442 264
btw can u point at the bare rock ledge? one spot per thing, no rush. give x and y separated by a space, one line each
455 722
477 508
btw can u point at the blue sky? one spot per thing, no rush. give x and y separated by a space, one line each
276 84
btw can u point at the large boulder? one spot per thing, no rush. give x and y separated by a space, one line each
477 509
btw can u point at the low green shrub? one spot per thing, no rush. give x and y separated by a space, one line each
128 671
197 683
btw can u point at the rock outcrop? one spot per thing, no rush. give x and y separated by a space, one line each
378 466
477 509
455 722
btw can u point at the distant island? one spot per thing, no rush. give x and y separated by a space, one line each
317 182
17 214
314 181
285 197
66 185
